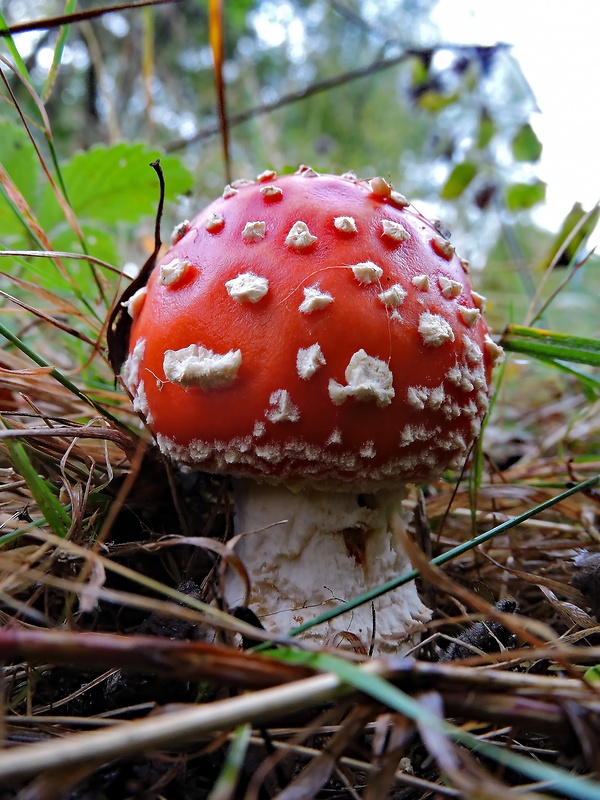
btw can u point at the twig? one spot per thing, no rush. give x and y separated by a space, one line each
79 16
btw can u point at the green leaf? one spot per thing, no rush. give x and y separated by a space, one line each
592 675
526 146
486 131
433 101
521 196
576 229
115 184
18 158
549 345
458 180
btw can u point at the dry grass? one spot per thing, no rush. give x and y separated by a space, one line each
111 628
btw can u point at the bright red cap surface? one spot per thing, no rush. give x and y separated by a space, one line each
311 329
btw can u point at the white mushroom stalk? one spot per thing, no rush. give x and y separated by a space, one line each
307 552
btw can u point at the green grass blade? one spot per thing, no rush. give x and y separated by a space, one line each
438 561
385 692
540 343
63 32
53 511
19 63
225 785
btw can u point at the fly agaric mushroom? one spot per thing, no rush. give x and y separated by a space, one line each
318 340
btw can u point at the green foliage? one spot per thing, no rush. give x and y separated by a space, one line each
114 184
460 177
106 186
525 145
574 232
523 196
19 160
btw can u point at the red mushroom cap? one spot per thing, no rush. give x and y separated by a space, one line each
311 329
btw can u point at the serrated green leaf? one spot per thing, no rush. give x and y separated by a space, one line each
115 184
458 180
521 196
526 146
19 160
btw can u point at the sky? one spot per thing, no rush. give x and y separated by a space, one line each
557 44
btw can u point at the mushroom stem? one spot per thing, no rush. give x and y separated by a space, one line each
327 547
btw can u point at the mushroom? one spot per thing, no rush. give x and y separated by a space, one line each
317 339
